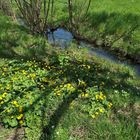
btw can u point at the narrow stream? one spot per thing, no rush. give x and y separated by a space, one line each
63 38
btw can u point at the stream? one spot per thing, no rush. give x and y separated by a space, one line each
63 38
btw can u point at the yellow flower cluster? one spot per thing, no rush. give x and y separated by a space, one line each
86 66
2 97
85 95
3 74
109 105
33 75
4 94
69 87
8 87
24 72
100 96
66 87
20 117
15 103
8 110
101 110
57 91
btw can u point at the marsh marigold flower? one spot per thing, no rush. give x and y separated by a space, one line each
93 116
101 110
20 117
20 122
109 105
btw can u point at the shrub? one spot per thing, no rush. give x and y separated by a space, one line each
5 7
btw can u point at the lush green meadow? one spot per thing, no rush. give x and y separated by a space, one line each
51 94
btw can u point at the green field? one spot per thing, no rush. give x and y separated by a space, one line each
47 93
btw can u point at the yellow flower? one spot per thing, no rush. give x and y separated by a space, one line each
2 102
61 86
109 105
5 69
82 95
0 98
15 103
58 93
24 72
8 111
20 117
97 97
31 102
96 113
33 75
86 95
4 94
20 109
101 93
93 116
21 122
104 96
101 97
101 110
27 97
68 85
8 87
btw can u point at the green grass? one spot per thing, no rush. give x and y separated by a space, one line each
66 116
113 18
113 22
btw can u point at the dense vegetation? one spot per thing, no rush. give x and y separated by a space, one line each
49 93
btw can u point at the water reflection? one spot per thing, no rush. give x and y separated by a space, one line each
60 37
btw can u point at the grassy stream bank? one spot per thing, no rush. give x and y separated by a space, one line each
48 93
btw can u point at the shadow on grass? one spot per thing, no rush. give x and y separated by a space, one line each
56 117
